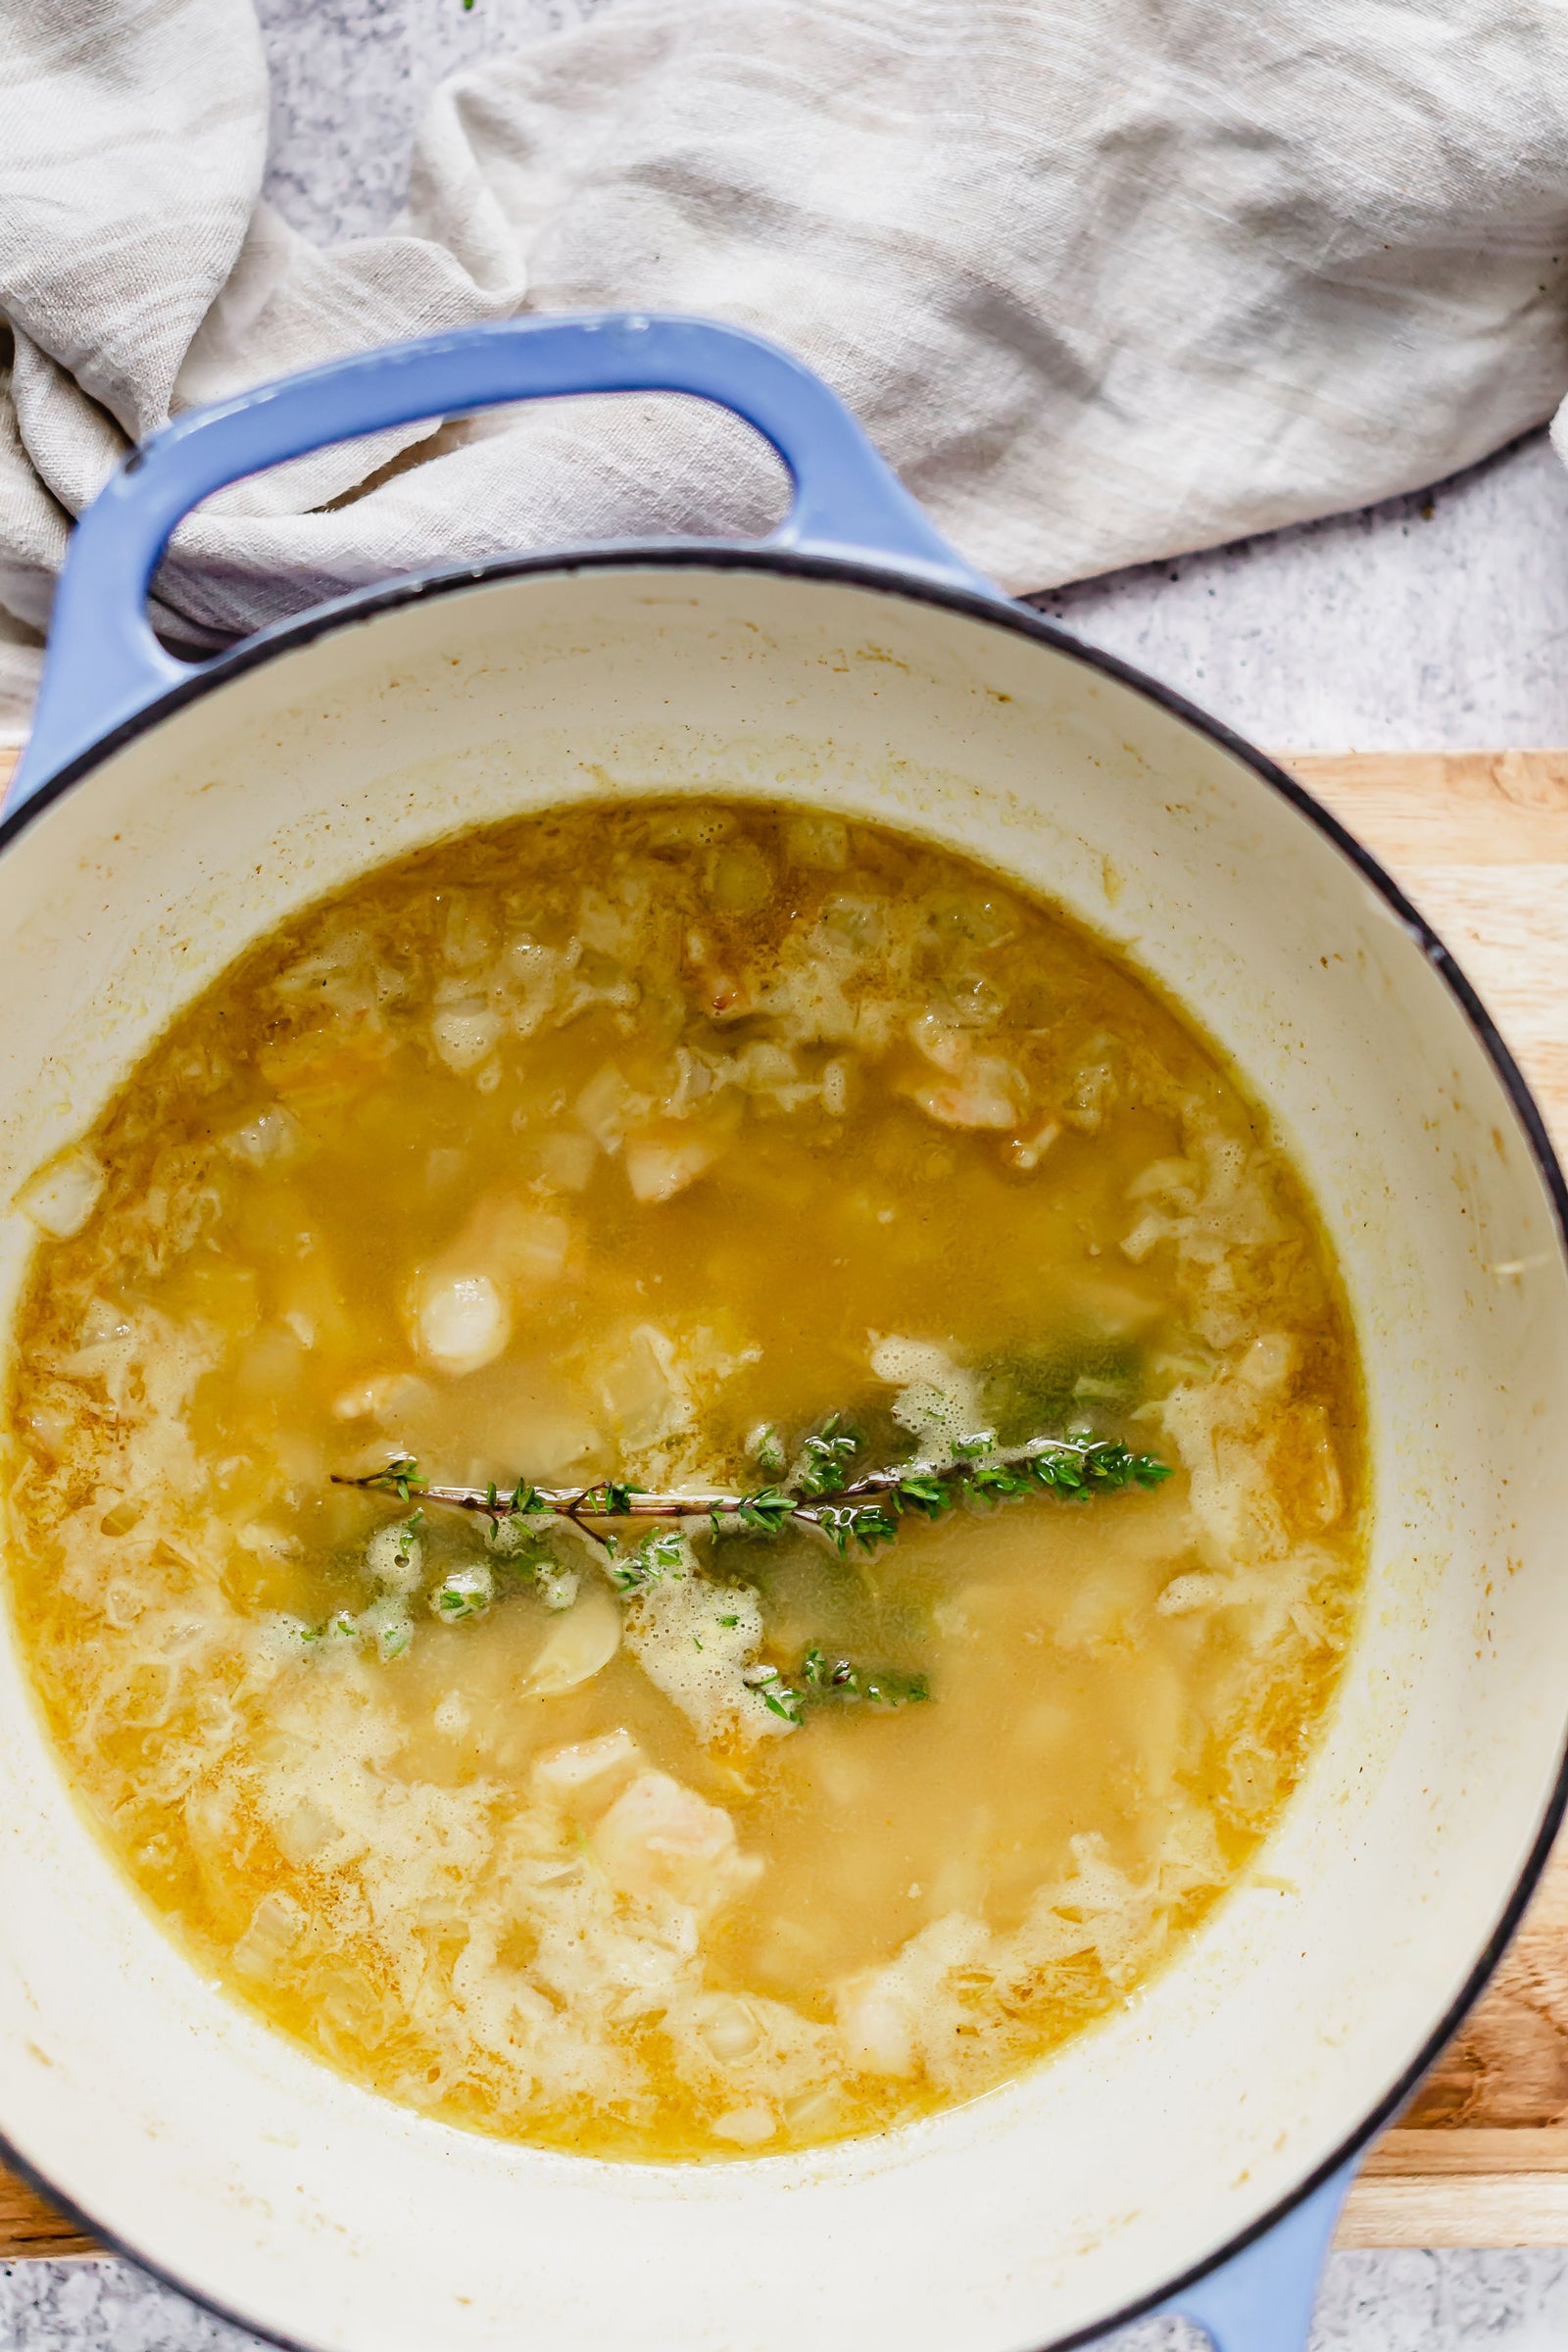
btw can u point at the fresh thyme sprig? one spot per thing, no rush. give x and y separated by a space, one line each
823 1680
864 1511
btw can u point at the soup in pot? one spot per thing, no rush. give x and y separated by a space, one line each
686 1479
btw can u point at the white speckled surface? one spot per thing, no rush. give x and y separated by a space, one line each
1437 621
1440 622
1404 2302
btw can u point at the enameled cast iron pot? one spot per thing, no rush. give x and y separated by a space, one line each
1194 2149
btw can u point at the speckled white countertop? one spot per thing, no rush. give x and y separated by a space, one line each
1404 2302
1426 622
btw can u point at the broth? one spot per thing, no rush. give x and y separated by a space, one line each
636 1143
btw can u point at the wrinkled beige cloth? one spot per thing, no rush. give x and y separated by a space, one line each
1106 279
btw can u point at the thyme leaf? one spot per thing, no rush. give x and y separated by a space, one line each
826 1457
768 1511
823 1680
401 1478
658 1555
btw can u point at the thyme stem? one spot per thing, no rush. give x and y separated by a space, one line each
865 1509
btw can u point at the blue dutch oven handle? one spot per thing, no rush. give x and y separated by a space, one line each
104 663
1261 2300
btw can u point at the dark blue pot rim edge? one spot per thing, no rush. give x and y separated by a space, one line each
1022 621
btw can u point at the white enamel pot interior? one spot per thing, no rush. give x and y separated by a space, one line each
259 2181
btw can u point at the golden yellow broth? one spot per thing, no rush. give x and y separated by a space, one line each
729 1114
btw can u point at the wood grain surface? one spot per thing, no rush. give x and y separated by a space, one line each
1480 841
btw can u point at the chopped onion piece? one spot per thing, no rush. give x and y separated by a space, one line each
63 1195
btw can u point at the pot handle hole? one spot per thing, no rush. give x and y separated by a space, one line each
1262 2299
104 665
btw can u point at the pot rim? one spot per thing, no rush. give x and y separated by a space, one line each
678 555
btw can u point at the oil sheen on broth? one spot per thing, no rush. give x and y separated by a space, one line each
636 1141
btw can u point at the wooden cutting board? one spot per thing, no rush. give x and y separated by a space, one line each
1480 840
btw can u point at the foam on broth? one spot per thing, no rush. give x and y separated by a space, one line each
605 1144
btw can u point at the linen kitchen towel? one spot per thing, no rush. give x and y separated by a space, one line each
1105 279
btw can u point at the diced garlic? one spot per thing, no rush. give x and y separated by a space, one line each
763 1067
63 1195
1186 1594
1027 1151
823 842
267 1543
661 1161
1148 1232
981 917
728 2028
601 1107
853 921
461 1321
1325 1497
566 1161
1268 1363
467 938
815 2110
1177 1182
102 1324
746 2126
740 878
275 1928
639 1391
304 1832
384 1397
692 1083
271 1138
538 972
690 827
531 1245
1094 1094
51 1429
876 2024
